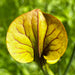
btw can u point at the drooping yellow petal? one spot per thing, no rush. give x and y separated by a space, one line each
22 36
55 41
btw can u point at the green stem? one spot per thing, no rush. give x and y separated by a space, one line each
47 69
70 61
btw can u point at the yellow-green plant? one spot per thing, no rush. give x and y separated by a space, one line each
36 36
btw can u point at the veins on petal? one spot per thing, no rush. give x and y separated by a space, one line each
52 40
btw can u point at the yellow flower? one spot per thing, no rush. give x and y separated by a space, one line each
36 32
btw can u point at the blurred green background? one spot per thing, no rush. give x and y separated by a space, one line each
64 10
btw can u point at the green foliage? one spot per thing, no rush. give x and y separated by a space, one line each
64 10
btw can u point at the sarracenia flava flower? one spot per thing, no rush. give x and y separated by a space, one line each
36 32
